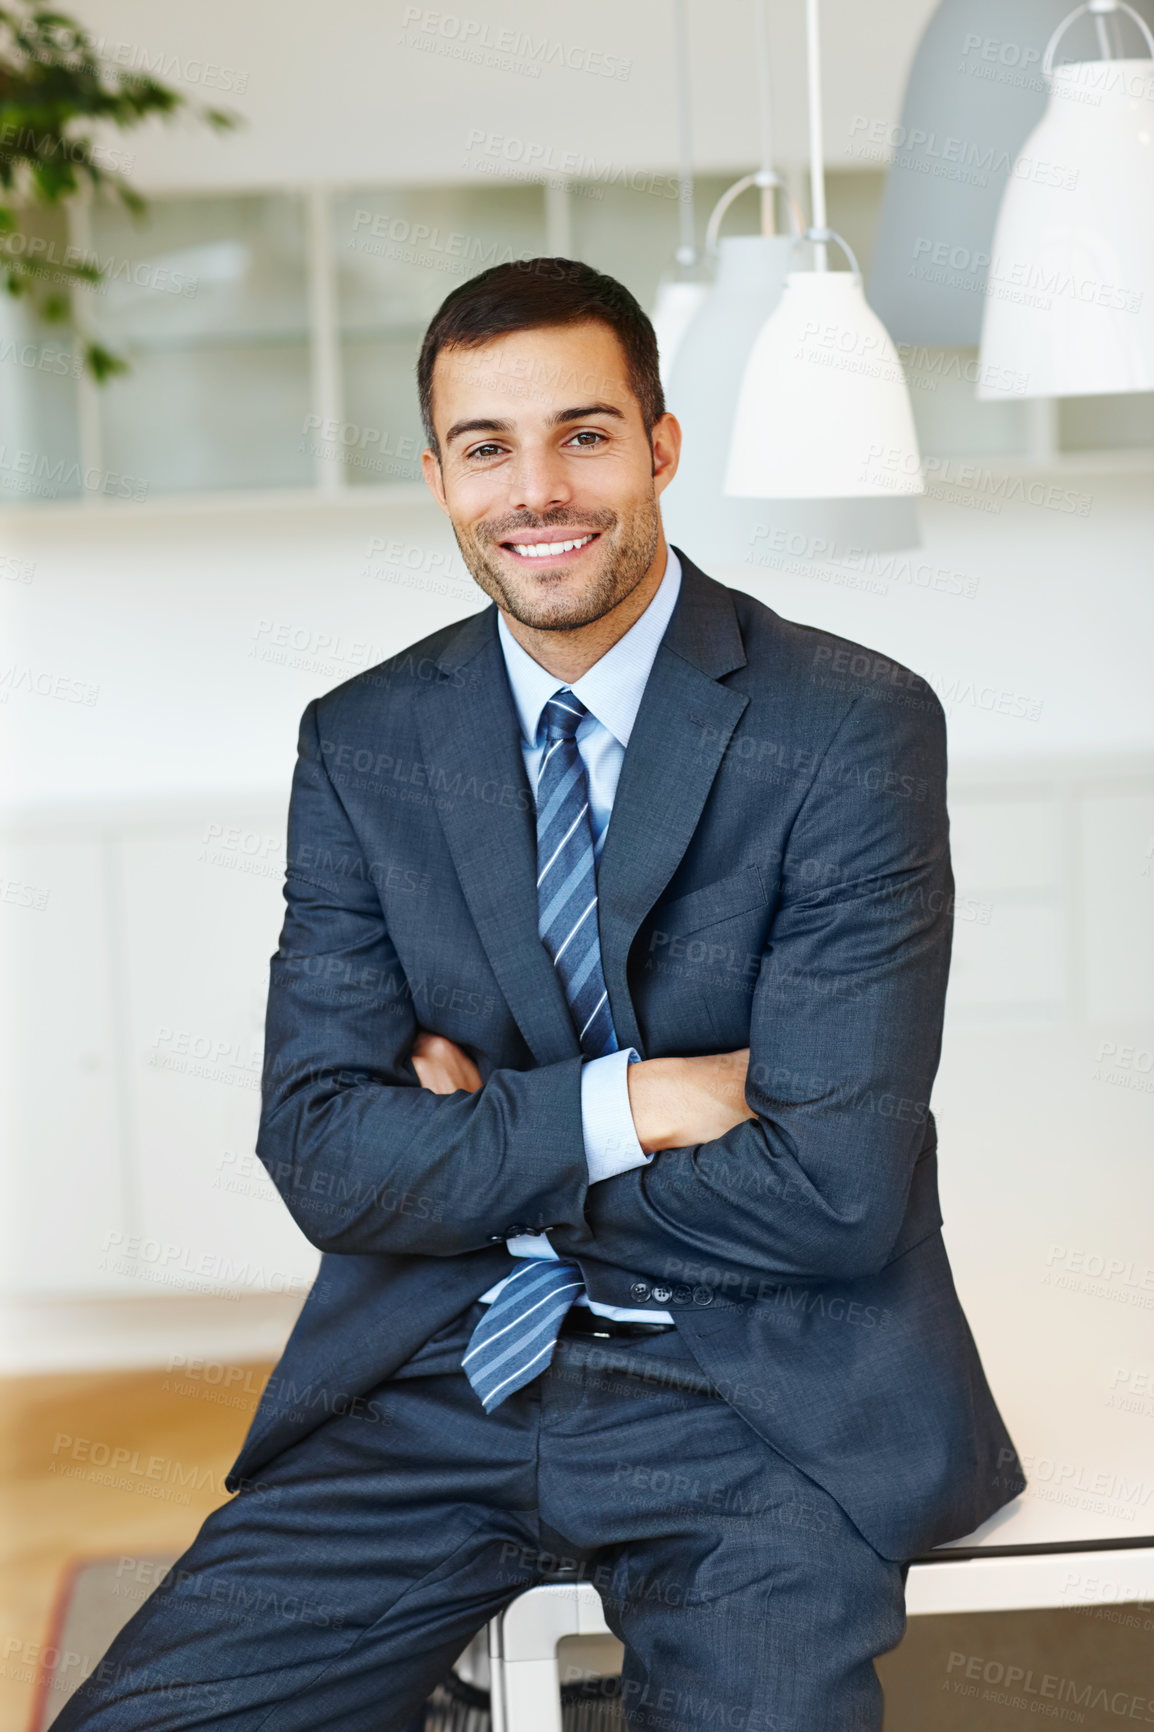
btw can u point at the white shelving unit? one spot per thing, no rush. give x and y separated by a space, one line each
273 335
136 953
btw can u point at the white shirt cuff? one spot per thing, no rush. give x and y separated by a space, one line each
611 1144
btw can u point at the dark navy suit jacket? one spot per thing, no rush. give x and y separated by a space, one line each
775 874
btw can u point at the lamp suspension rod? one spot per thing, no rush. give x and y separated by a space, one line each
1105 46
816 158
765 110
687 250
1100 10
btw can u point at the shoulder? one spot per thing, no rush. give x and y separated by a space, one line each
807 683
385 692
823 669
854 722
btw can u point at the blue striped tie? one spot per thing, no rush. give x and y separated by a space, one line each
514 1341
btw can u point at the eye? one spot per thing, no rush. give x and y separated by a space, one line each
592 434
486 450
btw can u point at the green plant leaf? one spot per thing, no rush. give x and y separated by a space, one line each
53 85
102 363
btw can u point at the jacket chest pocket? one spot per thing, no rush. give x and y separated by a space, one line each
696 964
722 900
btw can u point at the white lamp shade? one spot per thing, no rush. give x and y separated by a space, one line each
823 410
702 392
677 302
1070 297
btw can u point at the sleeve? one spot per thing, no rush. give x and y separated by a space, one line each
611 1144
845 1036
365 1158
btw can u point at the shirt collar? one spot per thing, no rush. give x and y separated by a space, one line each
612 688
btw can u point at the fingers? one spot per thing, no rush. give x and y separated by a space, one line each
437 1078
429 1075
440 1048
442 1066
430 1045
472 1074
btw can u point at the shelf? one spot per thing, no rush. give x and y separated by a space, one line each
383 332
201 341
408 495
1126 461
192 503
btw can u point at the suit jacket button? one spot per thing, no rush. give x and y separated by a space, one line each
639 1290
662 1294
496 1238
703 1296
515 1230
682 1295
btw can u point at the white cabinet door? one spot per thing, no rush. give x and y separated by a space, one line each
1044 1107
203 911
64 1198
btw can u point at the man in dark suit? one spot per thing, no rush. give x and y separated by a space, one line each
615 1135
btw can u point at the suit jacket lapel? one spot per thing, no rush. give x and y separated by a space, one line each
471 739
683 726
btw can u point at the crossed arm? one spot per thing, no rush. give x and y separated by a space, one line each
674 1101
792 1159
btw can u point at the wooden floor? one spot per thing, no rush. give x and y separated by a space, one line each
102 1464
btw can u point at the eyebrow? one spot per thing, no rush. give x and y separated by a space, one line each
558 419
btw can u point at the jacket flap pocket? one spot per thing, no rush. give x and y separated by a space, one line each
714 902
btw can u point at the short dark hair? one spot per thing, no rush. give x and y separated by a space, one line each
528 293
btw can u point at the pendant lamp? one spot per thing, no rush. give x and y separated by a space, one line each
678 300
680 291
823 411
702 392
1070 300
974 94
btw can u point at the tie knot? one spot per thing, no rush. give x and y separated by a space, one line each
562 715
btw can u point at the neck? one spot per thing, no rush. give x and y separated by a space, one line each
569 654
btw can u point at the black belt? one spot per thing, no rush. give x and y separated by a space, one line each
580 1320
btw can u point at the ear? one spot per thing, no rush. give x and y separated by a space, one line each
666 441
434 480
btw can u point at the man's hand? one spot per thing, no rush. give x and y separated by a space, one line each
442 1066
677 1102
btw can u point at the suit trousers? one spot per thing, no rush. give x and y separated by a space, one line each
338 1589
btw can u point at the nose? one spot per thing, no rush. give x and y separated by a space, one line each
537 480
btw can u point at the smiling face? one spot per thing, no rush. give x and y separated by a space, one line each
548 476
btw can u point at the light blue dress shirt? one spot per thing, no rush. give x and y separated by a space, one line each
611 691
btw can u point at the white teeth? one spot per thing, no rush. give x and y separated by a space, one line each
546 549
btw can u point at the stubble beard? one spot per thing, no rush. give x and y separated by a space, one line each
626 550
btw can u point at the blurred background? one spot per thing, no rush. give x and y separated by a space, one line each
231 520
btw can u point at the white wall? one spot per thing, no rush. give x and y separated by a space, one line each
207 631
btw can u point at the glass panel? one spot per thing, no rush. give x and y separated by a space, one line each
399 252
382 438
39 442
853 201
197 268
212 418
207 300
632 231
1124 422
